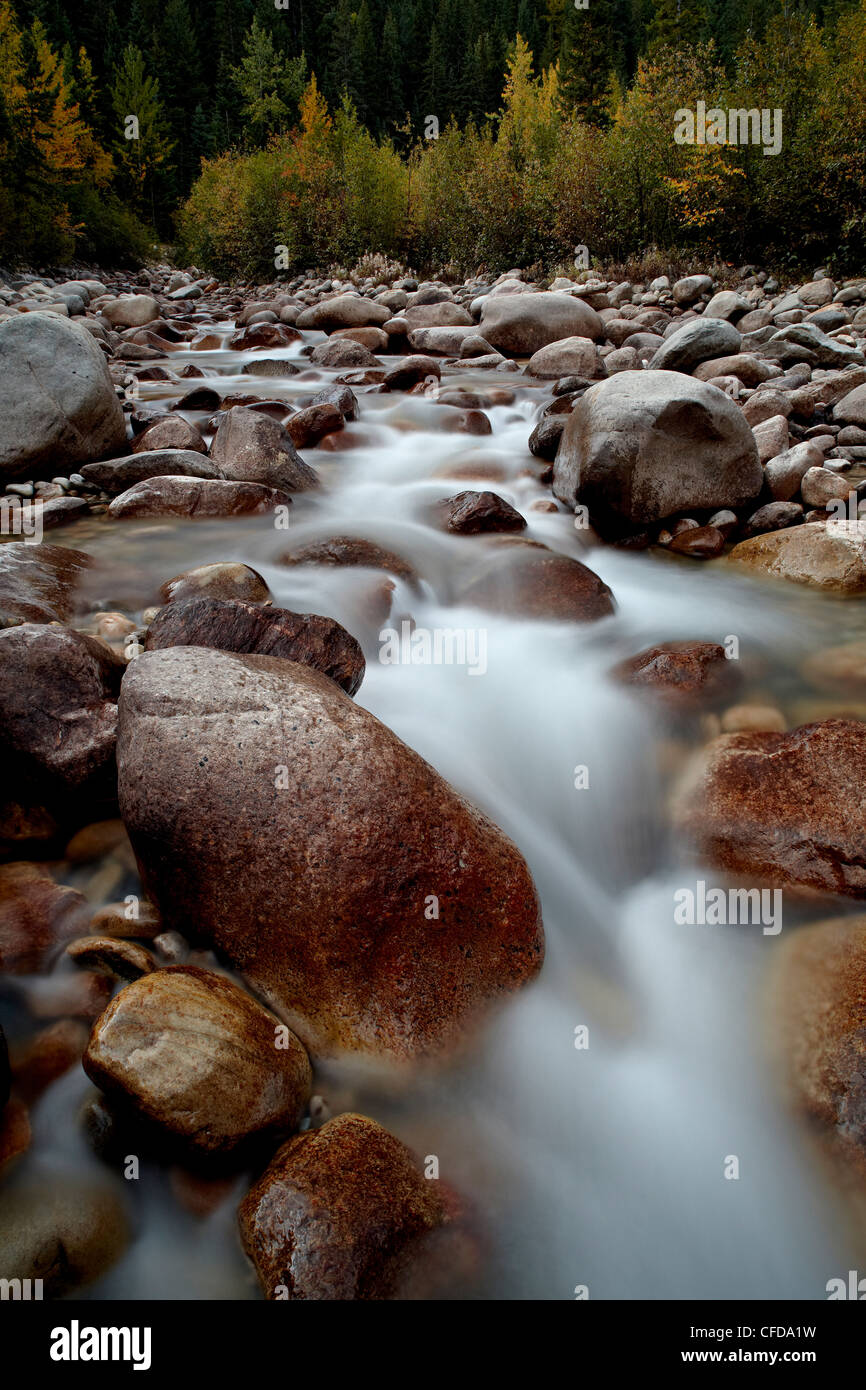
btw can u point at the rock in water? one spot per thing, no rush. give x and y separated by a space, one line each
234 626
788 809
38 583
57 404
341 1213
644 445
298 835
818 995
189 1052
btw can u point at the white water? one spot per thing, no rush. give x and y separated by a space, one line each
601 1167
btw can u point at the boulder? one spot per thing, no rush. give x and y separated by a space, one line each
475 513
130 311
306 427
283 824
116 475
568 357
828 556
530 581
818 1008
851 409
518 325
342 1213
188 1052
782 808
699 340
68 1232
37 918
233 626
58 713
682 675
786 471
58 408
38 583
688 290
344 311
196 497
249 447
171 432
342 352
225 579
642 446
351 550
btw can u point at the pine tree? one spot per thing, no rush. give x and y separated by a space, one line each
135 93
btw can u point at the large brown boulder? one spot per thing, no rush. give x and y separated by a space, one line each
788 809
191 1054
58 407
643 446
38 583
286 826
828 556
234 626
117 475
196 497
342 1213
520 324
818 1009
529 581
58 713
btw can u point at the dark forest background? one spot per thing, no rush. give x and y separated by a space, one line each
307 126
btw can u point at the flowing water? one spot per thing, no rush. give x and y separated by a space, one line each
599 1166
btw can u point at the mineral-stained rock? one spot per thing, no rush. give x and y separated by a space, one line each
682 674
223 579
250 447
831 556
789 809
196 497
37 917
351 550
343 1212
38 582
233 626
472 513
276 819
190 1052
67 1232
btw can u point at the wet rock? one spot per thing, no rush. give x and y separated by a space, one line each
47 1056
841 669
243 627
251 448
196 497
342 1213
683 675
818 1006
753 719
260 800
409 372
15 1134
266 335
117 475
568 357
344 311
117 959
343 397
131 311
518 325
307 427
68 1232
774 516
226 579
699 340
545 438
38 583
825 556
270 367
351 550
342 352
188 1051
57 402
171 432
59 511
5 1075
788 809
58 713
785 473
699 543
534 582
643 446
96 841
472 513
37 917
124 921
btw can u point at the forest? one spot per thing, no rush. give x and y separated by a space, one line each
437 133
